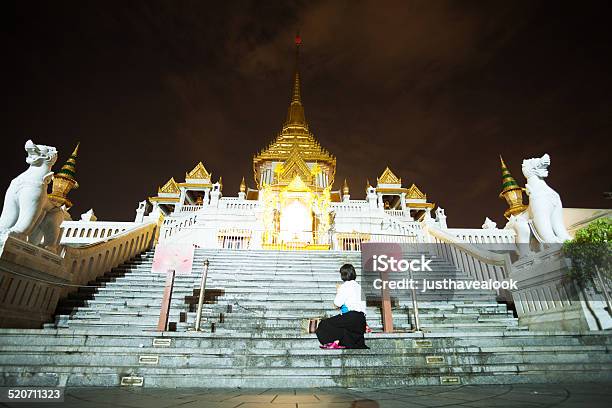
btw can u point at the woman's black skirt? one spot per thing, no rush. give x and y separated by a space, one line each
348 328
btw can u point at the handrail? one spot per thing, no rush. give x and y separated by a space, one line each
489 257
479 263
201 296
90 260
57 275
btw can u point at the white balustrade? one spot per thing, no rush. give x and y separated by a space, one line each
350 207
240 205
39 278
173 225
395 213
191 208
547 299
484 235
351 241
234 238
88 232
478 263
90 261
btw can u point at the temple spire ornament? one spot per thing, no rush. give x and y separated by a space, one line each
345 188
242 185
64 181
295 147
511 192
295 113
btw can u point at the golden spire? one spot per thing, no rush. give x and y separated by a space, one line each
511 192
295 113
345 188
64 181
242 185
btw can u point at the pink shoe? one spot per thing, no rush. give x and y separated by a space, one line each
334 346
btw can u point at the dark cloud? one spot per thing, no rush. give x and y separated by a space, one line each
436 90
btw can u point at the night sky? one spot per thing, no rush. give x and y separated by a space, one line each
434 89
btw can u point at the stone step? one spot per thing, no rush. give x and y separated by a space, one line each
305 377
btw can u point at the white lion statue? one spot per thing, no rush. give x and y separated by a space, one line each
545 207
27 213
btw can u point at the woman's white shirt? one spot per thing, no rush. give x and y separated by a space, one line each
349 294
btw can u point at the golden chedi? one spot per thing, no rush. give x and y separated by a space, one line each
64 181
511 192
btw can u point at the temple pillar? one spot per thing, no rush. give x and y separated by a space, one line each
205 201
181 202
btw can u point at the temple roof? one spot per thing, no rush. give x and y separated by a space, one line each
295 133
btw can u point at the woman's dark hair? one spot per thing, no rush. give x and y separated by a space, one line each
347 272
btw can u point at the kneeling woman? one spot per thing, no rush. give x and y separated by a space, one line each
346 329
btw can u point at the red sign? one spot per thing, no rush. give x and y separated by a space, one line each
176 257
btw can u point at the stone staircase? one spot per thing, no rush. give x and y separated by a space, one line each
257 305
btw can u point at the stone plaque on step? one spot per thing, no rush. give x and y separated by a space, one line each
162 342
422 344
151 360
132 381
434 359
449 380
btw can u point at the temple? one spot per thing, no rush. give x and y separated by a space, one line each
292 203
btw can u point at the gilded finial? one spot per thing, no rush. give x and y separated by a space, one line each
242 185
511 192
65 180
345 188
295 114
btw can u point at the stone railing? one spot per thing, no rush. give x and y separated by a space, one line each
478 263
88 232
483 236
396 226
34 279
191 208
233 203
234 238
174 224
351 241
351 206
547 299
395 213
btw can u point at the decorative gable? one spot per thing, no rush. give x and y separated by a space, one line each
387 177
295 166
297 184
171 187
415 193
199 172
